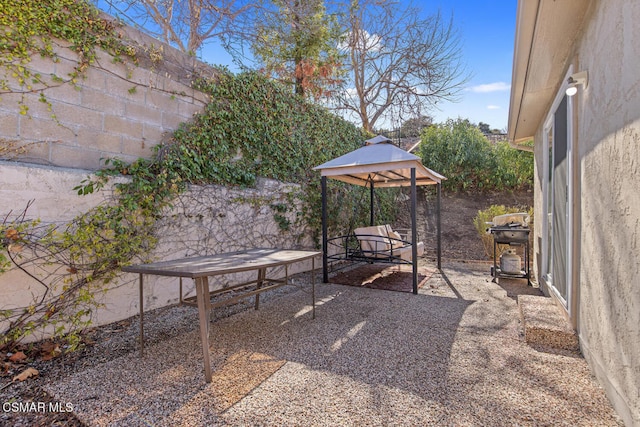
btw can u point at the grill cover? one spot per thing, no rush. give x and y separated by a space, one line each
521 219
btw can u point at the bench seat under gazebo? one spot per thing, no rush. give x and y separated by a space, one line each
377 243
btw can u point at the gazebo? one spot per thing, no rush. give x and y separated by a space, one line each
380 163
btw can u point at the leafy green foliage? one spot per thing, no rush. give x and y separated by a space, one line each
296 42
31 27
252 127
484 128
459 150
70 263
12 239
280 210
413 127
515 167
77 261
255 127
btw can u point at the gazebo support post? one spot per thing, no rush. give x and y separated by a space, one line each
325 267
371 207
414 231
439 224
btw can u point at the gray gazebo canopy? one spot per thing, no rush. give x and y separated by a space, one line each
379 163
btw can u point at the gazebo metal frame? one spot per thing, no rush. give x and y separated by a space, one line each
380 163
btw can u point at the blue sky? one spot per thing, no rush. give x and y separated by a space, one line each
487 34
486 29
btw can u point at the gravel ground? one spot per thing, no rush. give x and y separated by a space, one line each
452 355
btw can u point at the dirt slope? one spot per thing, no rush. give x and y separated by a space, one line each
460 239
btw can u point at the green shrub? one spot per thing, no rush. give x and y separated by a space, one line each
460 151
514 167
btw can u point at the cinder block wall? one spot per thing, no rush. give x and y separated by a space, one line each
122 111
117 110
204 220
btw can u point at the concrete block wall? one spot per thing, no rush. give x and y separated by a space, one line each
123 111
205 220
116 110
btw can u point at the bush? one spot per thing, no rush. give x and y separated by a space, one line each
460 151
514 167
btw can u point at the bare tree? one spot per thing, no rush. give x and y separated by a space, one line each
184 24
400 65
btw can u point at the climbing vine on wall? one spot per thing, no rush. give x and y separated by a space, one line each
31 27
72 264
255 127
252 128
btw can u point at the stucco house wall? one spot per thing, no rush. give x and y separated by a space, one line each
609 153
605 157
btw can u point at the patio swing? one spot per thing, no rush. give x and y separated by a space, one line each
379 163
373 243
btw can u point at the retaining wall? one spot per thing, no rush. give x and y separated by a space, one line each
204 220
121 110
117 109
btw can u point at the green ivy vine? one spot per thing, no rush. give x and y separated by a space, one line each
252 128
33 27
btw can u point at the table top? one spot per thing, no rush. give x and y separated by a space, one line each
225 263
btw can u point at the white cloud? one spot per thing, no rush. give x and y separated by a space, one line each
493 107
365 41
491 87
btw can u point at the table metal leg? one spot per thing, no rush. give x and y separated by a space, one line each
262 273
495 264
141 317
313 287
204 307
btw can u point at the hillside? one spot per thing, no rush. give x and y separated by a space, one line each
460 240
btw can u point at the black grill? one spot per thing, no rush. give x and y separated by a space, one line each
512 234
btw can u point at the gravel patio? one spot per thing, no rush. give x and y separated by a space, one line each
453 355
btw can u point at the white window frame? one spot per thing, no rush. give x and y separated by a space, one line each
547 247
